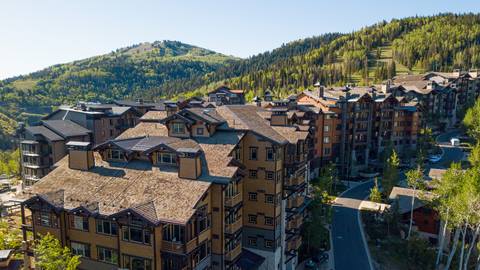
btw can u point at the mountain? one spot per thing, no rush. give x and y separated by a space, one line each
369 55
172 68
161 67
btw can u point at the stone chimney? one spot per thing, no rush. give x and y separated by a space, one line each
80 156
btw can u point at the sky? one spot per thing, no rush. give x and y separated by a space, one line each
36 34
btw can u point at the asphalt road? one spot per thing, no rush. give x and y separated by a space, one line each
450 153
348 247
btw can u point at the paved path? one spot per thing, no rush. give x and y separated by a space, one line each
348 245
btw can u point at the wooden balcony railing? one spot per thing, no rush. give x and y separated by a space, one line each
234 227
234 200
234 253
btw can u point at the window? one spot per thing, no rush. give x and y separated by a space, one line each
269 198
252 196
268 243
253 174
166 158
174 233
326 151
269 175
107 255
252 241
252 219
269 221
136 263
45 219
107 227
270 154
326 128
111 132
237 153
178 128
111 122
136 234
116 154
80 249
199 131
79 223
326 139
253 153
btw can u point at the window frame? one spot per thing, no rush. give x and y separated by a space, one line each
251 152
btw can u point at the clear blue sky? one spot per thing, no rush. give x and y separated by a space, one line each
39 33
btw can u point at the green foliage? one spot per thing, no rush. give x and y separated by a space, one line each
51 256
390 173
9 163
10 238
472 121
375 194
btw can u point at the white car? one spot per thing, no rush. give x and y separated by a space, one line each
455 141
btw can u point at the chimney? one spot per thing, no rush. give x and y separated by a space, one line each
386 86
189 163
80 156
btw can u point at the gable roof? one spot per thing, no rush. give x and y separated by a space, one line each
45 132
403 197
66 128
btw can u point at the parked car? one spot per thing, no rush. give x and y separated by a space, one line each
455 141
321 258
434 158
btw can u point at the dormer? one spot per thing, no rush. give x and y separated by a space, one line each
189 163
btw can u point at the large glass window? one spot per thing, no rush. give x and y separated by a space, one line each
107 227
174 233
136 263
80 249
136 234
107 255
79 223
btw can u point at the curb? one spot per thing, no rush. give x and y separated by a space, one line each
367 249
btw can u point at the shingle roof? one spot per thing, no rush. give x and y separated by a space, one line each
245 117
143 129
153 116
66 128
403 197
45 132
158 194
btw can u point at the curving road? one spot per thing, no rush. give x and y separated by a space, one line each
349 250
450 153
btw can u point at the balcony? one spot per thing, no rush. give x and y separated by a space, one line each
294 243
234 253
233 227
173 247
234 200
296 202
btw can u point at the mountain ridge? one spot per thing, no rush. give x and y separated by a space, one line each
161 69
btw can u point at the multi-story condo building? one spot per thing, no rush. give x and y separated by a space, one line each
354 124
441 96
199 189
226 96
44 143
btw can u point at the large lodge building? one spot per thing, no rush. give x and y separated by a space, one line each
218 184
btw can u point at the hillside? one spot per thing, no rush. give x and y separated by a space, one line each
170 68
163 66
367 56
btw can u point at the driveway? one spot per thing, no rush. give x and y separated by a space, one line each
450 153
349 250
